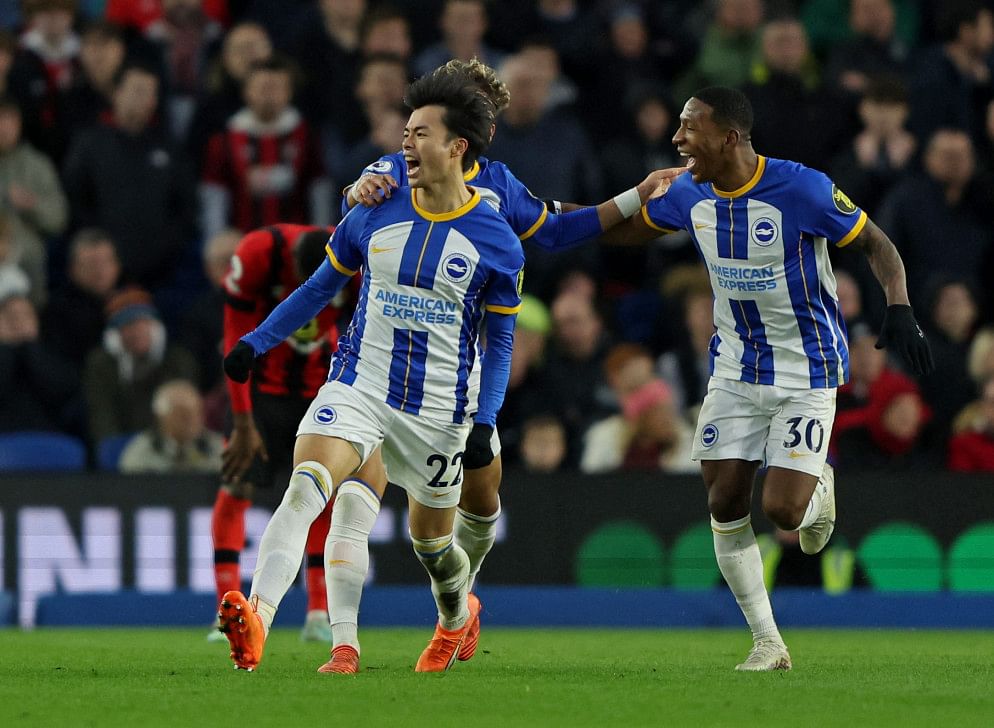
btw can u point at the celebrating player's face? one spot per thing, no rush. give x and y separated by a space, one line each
431 151
699 141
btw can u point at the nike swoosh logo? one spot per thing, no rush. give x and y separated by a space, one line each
374 250
702 225
793 454
438 495
338 562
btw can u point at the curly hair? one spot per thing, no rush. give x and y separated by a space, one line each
485 78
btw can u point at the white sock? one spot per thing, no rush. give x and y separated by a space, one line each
282 545
742 566
346 558
475 535
448 567
814 506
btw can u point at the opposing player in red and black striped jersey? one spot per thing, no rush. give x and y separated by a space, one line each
268 264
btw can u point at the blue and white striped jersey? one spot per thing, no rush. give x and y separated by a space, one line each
426 281
765 246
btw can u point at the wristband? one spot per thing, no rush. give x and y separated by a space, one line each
629 202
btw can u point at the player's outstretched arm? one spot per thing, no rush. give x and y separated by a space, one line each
899 330
293 312
494 375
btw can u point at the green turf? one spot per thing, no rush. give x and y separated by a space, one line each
569 678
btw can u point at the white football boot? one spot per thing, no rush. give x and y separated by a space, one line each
814 537
766 655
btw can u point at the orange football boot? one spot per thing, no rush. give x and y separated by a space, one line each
238 620
446 644
468 648
344 661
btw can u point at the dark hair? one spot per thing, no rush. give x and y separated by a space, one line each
729 107
886 90
274 64
309 252
103 30
381 13
383 57
468 113
129 66
90 237
9 103
954 13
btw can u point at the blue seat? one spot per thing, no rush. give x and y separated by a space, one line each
109 451
41 451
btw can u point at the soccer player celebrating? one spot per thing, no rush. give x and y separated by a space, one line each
437 266
779 354
267 265
479 507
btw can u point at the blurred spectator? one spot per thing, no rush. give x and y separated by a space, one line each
120 377
24 81
571 380
849 295
971 448
90 98
74 317
874 50
525 397
185 36
202 327
381 85
730 48
265 167
385 30
880 414
543 444
144 14
550 152
244 45
980 358
788 101
626 67
686 368
33 200
39 387
115 169
384 138
883 151
327 48
934 221
463 24
649 430
834 22
179 441
951 84
539 52
950 326
49 51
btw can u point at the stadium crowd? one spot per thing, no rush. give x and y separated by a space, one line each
139 139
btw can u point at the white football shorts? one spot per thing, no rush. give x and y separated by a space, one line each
422 456
786 428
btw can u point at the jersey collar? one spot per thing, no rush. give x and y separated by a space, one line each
760 167
473 201
471 172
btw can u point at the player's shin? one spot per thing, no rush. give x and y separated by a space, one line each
476 535
347 558
282 544
228 533
448 566
742 566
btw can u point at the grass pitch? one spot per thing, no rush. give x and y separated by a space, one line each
90 677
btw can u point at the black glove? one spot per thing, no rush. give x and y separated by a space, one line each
478 453
901 333
238 363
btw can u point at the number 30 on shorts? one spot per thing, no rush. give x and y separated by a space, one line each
813 433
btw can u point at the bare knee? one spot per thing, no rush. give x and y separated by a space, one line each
480 489
784 515
729 485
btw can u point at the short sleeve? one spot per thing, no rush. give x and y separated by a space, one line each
343 249
503 293
249 270
825 211
392 164
664 213
525 213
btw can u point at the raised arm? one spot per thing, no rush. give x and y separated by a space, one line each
899 331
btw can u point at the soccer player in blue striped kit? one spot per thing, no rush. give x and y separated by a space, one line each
779 353
438 265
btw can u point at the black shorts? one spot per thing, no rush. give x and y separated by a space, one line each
276 418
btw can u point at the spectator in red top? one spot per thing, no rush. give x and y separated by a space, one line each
881 412
267 266
141 14
265 167
971 448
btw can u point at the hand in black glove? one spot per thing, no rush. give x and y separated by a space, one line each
901 333
478 453
238 363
